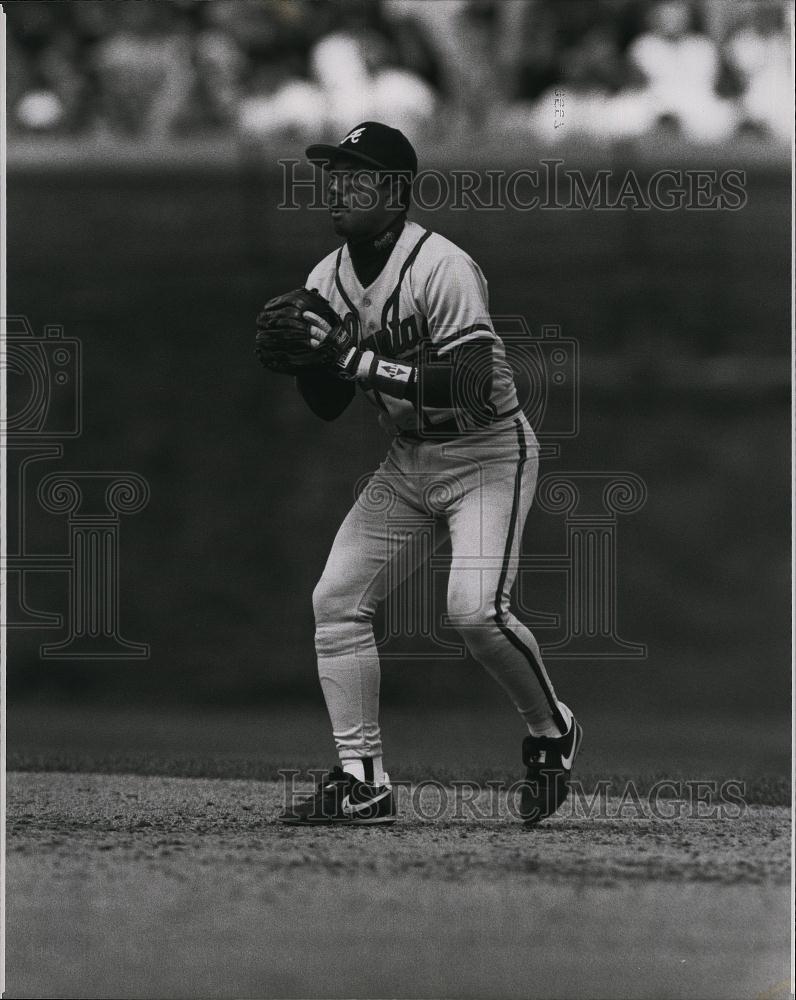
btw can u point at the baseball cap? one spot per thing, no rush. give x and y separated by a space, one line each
372 143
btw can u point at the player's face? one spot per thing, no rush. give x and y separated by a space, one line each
357 199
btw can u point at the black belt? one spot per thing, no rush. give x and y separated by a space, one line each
449 429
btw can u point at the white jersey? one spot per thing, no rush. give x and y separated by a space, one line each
429 298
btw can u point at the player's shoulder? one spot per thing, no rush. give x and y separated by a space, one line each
324 270
437 249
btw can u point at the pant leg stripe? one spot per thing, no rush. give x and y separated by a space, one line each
515 503
512 637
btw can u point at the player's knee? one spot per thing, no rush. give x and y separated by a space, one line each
469 613
333 603
327 601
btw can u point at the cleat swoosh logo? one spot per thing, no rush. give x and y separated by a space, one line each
566 762
350 808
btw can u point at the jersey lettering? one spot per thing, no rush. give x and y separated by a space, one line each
351 324
430 297
395 341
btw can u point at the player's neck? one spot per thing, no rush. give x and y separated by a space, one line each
370 253
382 239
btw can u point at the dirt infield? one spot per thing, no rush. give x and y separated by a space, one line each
123 885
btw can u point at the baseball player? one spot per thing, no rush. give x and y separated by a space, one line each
401 314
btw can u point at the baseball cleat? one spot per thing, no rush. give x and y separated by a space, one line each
340 798
549 764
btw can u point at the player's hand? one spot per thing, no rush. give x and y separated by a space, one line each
319 328
337 338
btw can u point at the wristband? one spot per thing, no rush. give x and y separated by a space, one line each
391 377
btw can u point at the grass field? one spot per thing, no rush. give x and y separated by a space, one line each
154 884
459 742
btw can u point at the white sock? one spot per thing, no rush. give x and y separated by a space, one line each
379 777
548 727
355 766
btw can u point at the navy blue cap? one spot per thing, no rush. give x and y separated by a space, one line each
373 144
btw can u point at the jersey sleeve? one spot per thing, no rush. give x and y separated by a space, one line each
457 304
315 277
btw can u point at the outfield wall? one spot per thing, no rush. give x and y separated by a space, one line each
682 322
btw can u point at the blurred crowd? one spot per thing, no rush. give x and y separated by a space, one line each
602 69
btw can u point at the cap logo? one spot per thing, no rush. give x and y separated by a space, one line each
353 137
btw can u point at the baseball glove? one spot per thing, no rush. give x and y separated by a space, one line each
283 343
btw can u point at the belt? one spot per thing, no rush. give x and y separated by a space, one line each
447 430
